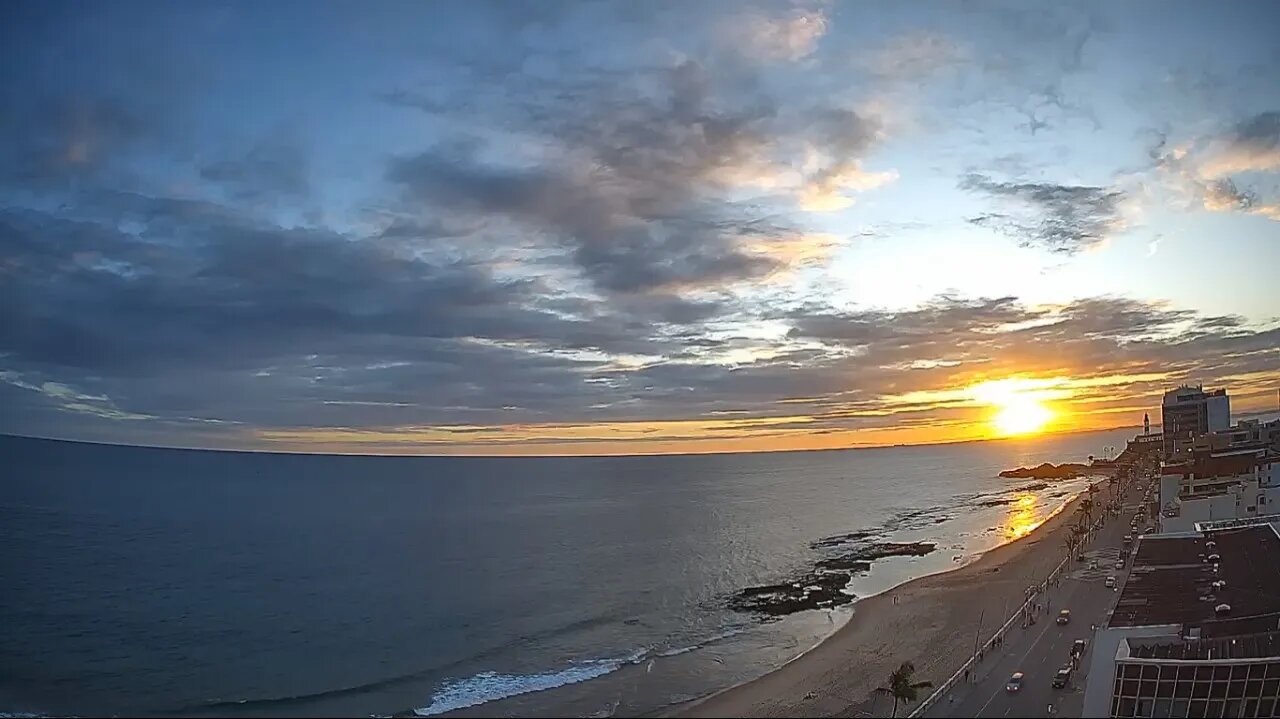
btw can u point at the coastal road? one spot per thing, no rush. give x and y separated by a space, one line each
1043 647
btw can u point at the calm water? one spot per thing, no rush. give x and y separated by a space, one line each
173 581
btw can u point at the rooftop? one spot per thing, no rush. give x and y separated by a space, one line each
1187 393
1266 644
1172 580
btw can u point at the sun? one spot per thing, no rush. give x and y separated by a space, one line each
1019 404
1022 415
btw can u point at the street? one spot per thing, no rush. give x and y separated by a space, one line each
1042 648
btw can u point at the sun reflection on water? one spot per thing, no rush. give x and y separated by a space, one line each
1025 514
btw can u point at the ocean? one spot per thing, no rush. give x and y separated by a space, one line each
182 582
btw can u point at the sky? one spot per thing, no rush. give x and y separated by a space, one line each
614 228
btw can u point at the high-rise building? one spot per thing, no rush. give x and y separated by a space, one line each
1196 629
1188 412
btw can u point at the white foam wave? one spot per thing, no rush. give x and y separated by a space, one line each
492 686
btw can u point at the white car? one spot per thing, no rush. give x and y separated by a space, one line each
1110 583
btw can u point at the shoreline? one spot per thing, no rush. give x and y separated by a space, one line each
932 625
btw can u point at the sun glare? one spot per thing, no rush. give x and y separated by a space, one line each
1019 404
1022 416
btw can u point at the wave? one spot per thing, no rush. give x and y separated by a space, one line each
694 647
491 686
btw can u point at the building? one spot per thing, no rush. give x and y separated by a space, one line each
1190 411
1196 628
1209 486
1246 434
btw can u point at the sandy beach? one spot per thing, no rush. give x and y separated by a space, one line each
932 624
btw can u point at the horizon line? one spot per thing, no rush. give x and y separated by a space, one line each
331 453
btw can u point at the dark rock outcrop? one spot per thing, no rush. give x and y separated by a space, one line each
1048 470
822 588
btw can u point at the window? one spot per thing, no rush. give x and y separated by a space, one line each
1150 672
1165 688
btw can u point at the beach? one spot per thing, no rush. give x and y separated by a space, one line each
931 622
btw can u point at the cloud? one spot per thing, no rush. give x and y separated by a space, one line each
273 167
1202 168
824 191
1223 196
1253 145
1060 218
913 57
71 400
792 36
640 178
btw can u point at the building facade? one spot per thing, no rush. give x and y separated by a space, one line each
1190 411
1210 486
1195 688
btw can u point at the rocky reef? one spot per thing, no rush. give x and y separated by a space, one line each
1048 470
823 588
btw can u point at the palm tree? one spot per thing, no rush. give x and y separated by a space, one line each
1086 508
901 688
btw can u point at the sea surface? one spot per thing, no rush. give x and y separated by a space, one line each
179 582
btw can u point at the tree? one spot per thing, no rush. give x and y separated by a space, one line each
901 687
1086 509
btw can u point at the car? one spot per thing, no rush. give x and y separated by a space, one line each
1110 583
1093 564
1062 677
1077 647
1064 616
1014 684
1120 563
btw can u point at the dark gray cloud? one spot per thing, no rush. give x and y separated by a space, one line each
1260 133
1061 218
272 168
627 186
256 311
